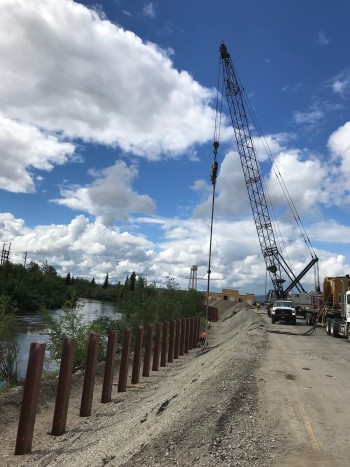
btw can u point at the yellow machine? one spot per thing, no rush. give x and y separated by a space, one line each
334 289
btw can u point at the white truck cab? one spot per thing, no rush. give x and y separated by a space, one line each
339 326
283 310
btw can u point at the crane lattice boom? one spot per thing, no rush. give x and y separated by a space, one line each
254 182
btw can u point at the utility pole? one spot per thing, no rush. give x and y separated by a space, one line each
5 254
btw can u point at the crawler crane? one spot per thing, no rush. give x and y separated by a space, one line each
276 265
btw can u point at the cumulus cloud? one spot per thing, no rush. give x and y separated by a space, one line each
89 249
313 180
339 146
338 176
110 196
232 198
66 69
236 255
231 194
68 73
25 150
304 179
271 145
83 248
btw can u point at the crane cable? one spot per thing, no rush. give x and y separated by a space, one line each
276 170
279 177
213 176
284 188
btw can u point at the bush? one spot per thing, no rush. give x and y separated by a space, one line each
8 342
71 324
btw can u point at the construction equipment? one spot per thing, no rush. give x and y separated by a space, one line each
276 264
334 312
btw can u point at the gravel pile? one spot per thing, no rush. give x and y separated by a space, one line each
224 422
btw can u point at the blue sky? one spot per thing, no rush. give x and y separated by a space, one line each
107 121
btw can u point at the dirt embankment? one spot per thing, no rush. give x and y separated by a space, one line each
200 410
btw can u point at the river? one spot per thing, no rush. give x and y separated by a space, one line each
29 328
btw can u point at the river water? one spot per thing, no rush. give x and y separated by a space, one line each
29 328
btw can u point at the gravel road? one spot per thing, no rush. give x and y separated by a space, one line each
305 382
232 406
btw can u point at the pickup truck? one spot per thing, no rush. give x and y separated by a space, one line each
283 310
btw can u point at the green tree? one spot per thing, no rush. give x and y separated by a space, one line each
68 279
127 283
106 282
8 342
31 286
132 281
69 324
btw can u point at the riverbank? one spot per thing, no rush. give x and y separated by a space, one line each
204 410
30 328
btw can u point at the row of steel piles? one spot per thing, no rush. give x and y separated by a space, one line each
164 344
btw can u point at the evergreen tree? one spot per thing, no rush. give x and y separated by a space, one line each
127 283
140 283
68 279
132 281
106 282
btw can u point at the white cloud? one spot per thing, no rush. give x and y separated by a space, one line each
110 196
310 118
236 256
149 10
304 178
339 146
24 150
340 84
322 39
314 181
295 88
89 250
271 144
330 231
338 177
231 194
82 248
65 69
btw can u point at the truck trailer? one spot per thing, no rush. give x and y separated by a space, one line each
306 301
336 306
